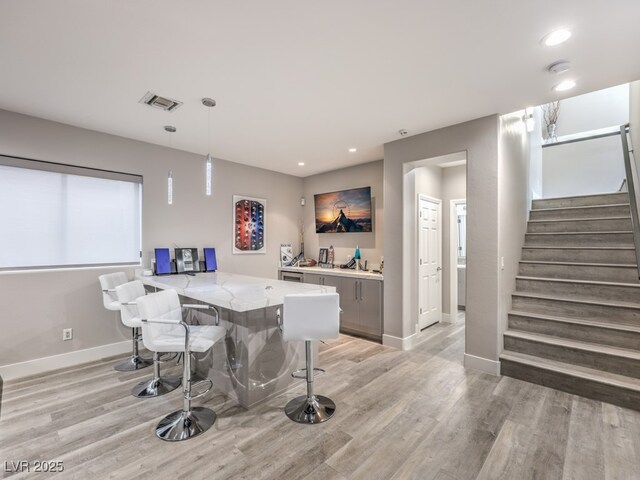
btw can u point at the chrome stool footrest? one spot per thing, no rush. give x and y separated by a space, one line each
196 385
317 372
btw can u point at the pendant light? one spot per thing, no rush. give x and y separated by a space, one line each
170 129
209 103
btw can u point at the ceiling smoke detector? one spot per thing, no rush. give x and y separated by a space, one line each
163 103
559 67
403 132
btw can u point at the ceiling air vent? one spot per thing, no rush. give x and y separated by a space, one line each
163 103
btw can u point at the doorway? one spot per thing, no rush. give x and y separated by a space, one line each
429 261
429 187
457 259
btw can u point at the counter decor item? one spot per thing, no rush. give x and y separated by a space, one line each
331 255
323 257
286 255
356 257
249 226
347 211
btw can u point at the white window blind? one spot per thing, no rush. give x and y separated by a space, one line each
54 215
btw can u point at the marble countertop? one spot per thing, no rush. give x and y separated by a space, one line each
341 272
239 293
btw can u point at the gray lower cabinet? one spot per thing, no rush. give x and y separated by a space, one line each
360 300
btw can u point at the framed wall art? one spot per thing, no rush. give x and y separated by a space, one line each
249 222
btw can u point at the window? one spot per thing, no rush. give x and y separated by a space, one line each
54 215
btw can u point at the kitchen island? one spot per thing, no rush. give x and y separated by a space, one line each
252 363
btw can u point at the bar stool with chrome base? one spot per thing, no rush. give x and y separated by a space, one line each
163 330
108 283
310 317
127 295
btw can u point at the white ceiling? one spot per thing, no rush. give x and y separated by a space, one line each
301 81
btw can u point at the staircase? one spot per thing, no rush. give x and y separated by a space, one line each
575 318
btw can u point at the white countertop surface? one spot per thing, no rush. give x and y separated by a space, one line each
341 272
240 293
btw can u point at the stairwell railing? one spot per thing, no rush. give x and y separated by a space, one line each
631 173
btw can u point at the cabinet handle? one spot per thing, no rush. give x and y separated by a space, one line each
356 289
360 291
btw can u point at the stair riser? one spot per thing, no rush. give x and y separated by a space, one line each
580 240
575 213
577 290
608 225
577 386
566 308
584 333
590 200
579 272
591 359
578 255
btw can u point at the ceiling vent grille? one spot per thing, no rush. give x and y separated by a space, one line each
163 103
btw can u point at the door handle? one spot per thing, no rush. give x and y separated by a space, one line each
438 269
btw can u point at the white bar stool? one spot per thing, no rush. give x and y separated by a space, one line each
163 330
108 283
310 317
127 295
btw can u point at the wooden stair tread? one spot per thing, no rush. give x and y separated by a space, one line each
580 264
606 303
588 219
598 232
606 194
577 321
564 247
584 282
580 207
575 344
613 379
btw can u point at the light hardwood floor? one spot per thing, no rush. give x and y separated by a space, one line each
401 415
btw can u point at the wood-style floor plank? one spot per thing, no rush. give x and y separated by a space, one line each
401 415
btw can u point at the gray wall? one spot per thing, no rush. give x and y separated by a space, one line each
37 305
368 174
600 109
480 139
513 206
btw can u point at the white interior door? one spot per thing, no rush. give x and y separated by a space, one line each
429 261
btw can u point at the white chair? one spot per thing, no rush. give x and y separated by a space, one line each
163 330
108 283
310 317
127 295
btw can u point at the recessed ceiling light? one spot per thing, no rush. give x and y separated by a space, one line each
353 150
557 37
565 85
301 164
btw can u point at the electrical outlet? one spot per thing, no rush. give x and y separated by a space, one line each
67 333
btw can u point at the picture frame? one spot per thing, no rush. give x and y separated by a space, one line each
323 257
249 225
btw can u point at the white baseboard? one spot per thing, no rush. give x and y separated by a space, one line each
446 318
491 367
55 362
406 343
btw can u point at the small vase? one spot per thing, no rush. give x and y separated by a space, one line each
551 133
